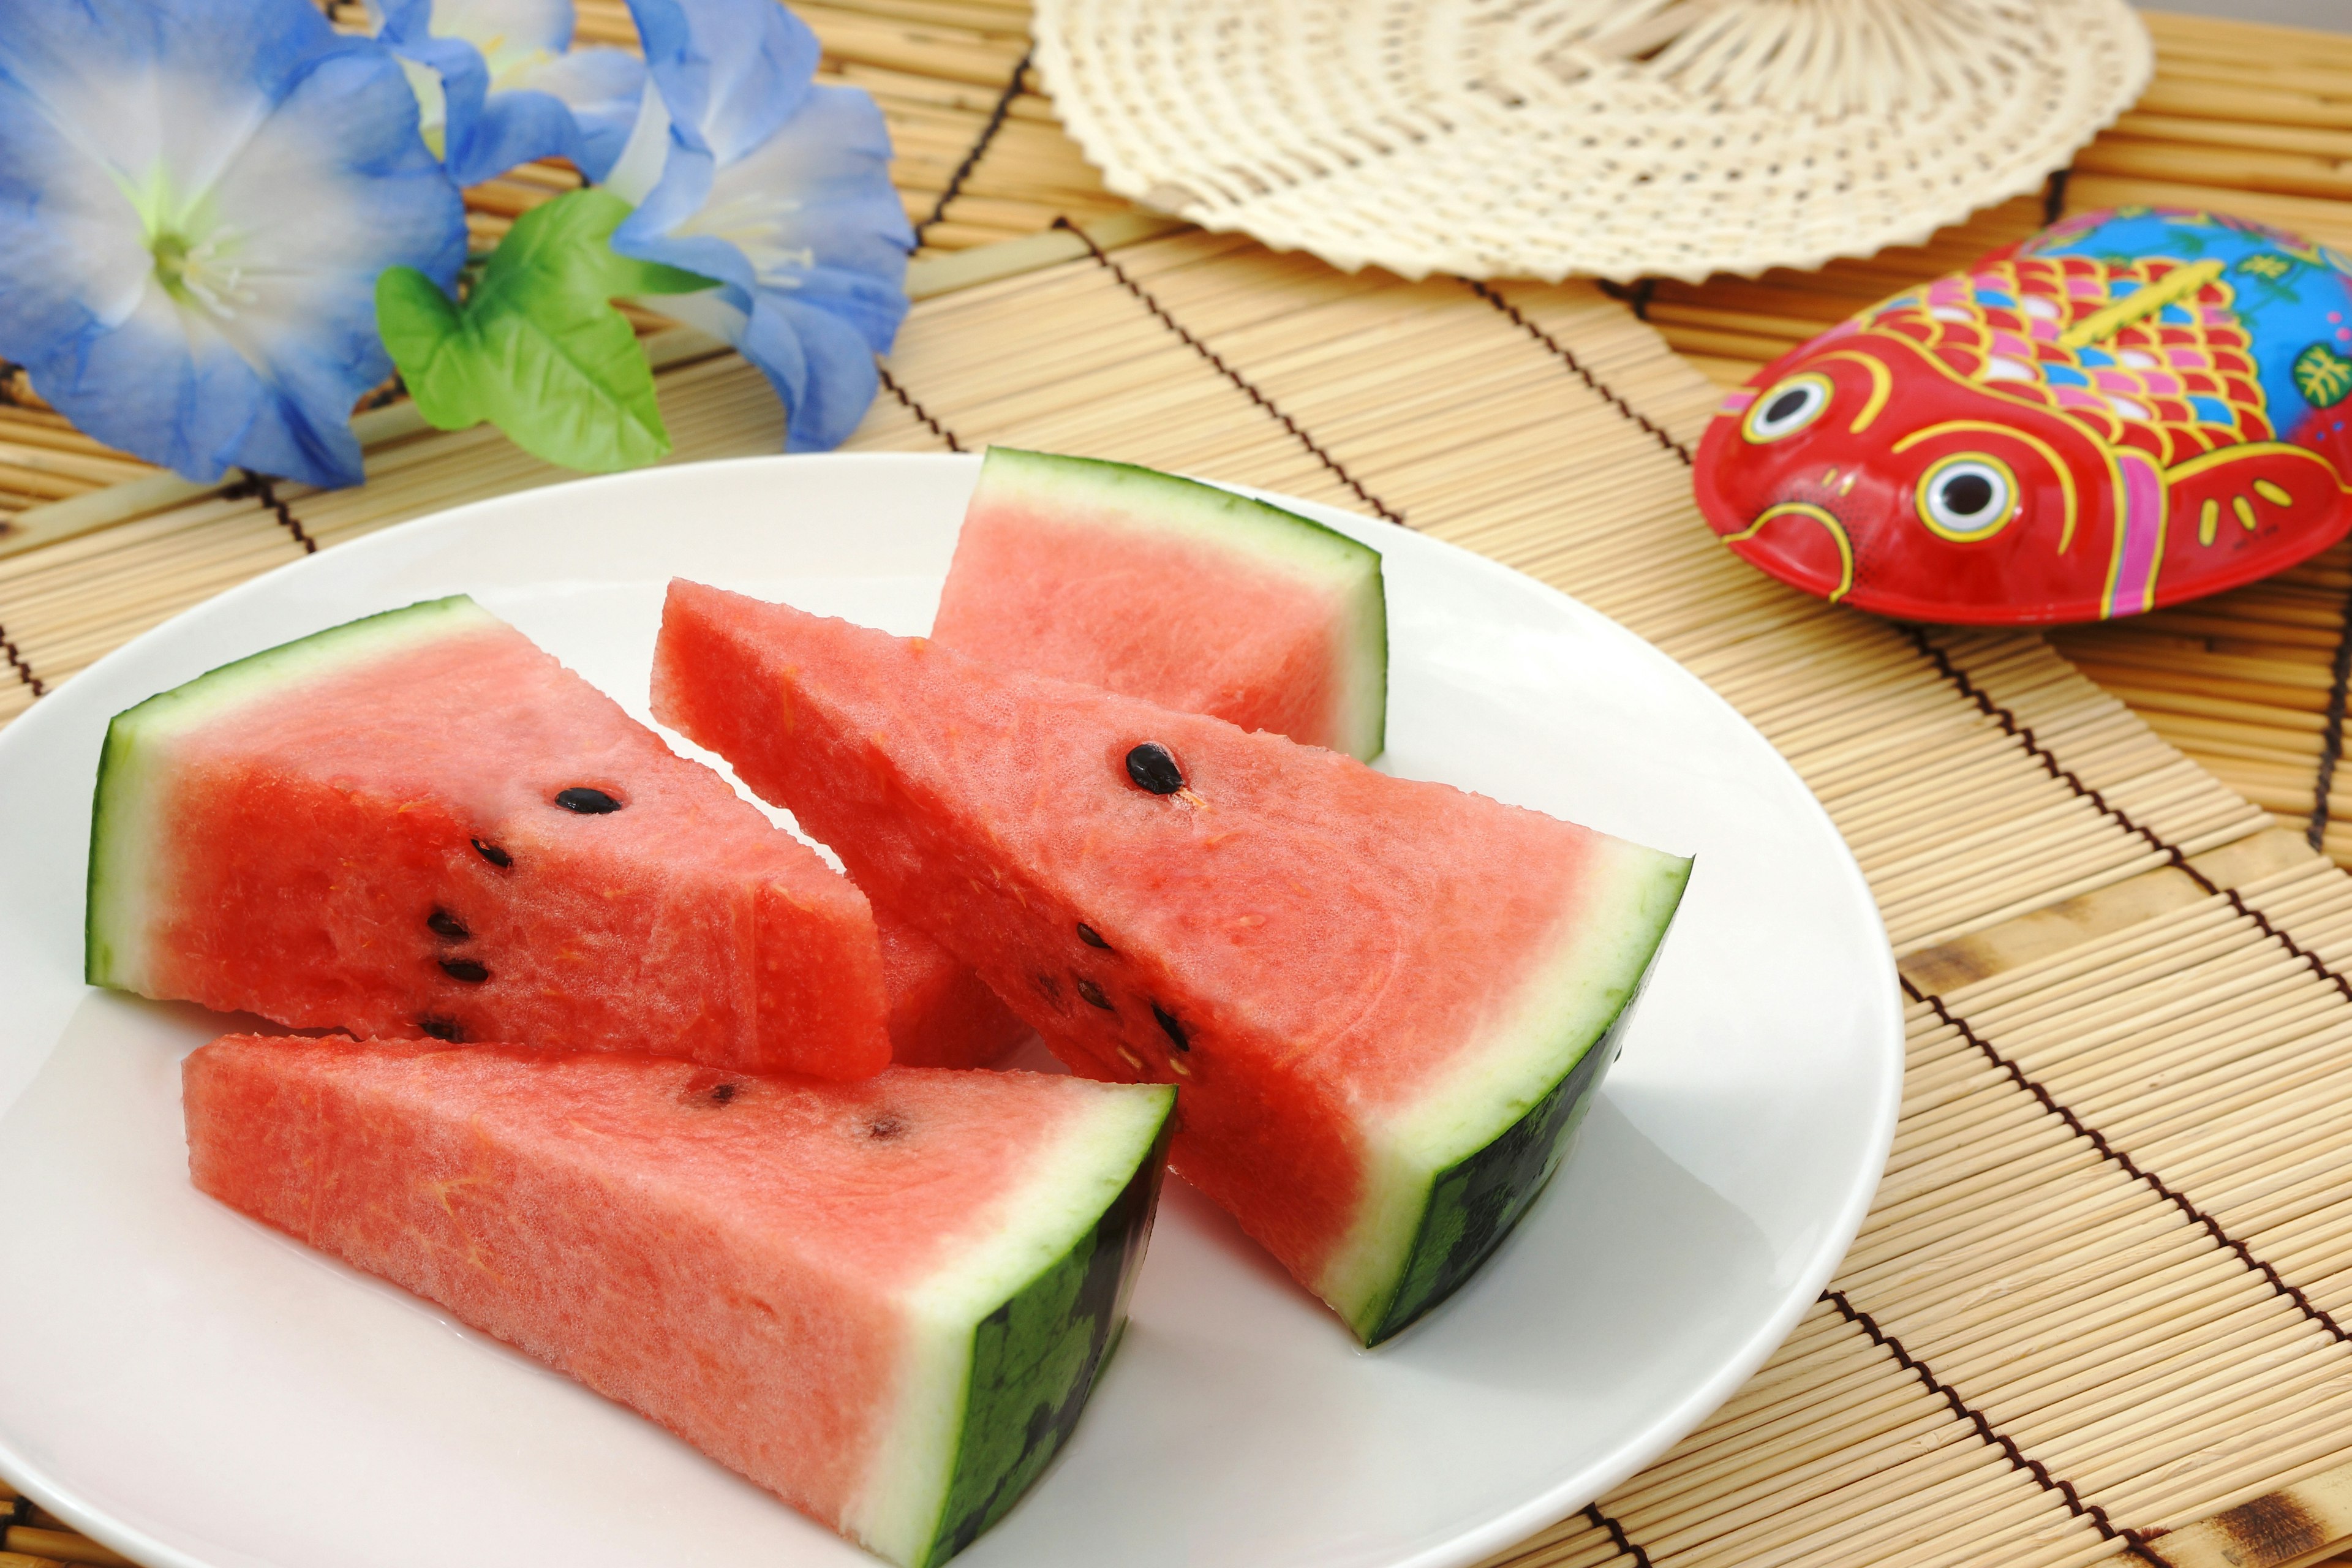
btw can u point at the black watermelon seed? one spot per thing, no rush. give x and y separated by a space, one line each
1050 987
441 1028
447 925
1093 993
1092 937
463 969
1175 1030
885 1128
493 854
723 1093
585 801
1152 768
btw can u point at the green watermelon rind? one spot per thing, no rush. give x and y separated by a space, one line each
1476 1203
1036 1358
1007 1345
126 833
1266 535
1465 1164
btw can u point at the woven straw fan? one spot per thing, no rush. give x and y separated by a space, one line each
1622 138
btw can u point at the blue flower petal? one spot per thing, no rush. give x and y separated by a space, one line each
798 223
601 89
814 211
826 377
70 244
655 231
503 130
406 30
730 71
529 99
285 160
73 56
519 26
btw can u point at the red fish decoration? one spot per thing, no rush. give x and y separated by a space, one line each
2130 409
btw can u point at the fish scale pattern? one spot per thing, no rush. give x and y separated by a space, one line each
2177 382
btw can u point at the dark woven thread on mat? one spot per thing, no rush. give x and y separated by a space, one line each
1635 296
264 488
2131 1167
1013 86
1617 1536
2053 196
1314 447
16 662
1968 1414
890 385
1567 356
2024 736
2331 738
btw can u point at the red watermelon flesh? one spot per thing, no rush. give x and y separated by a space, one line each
941 1014
1181 593
810 1281
1387 1003
1161 588
420 823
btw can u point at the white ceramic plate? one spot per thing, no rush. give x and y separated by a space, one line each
192 1388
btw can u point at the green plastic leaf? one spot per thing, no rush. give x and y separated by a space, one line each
537 349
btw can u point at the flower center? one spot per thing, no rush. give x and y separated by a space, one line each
198 273
753 224
196 254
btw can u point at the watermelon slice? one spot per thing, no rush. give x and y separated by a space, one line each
1186 596
419 823
1388 1003
884 1301
1162 588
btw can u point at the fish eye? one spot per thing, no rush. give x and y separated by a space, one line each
1787 407
1968 497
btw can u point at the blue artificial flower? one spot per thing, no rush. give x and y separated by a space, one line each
746 172
195 199
498 83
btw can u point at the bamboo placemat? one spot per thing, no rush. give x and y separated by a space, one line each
2103 1295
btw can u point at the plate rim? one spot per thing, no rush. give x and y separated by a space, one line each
1573 1492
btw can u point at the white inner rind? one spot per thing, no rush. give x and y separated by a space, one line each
1065 1192
1600 955
1270 540
130 819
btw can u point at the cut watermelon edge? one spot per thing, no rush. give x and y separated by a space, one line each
1083 1216
1461 1166
127 820
1345 570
